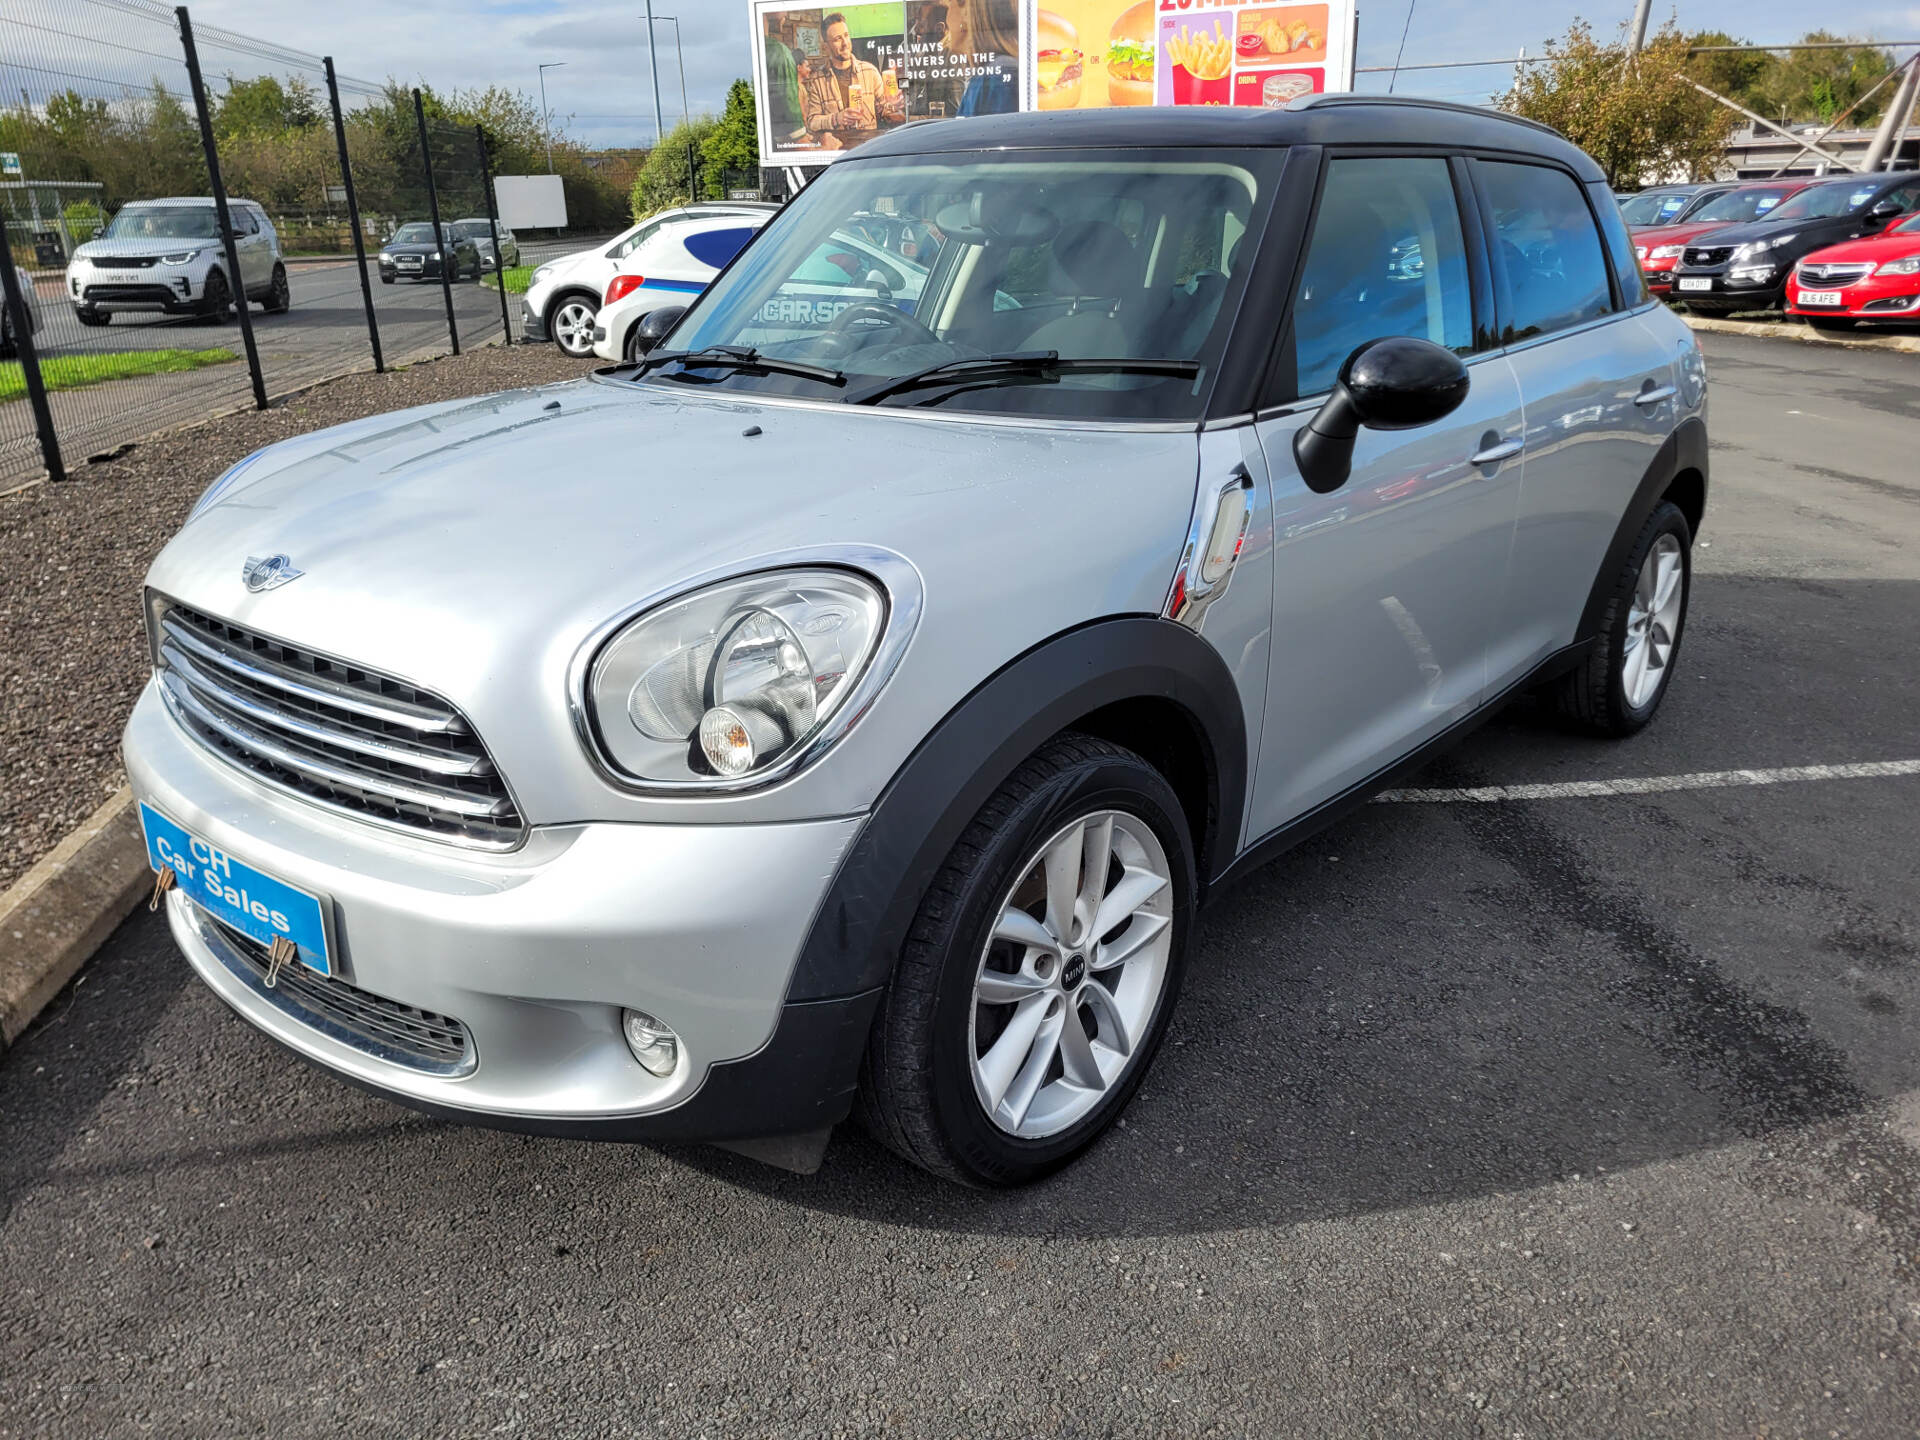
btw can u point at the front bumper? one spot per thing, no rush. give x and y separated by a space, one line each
1731 290
533 325
162 292
536 953
1895 298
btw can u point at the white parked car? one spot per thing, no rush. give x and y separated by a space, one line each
670 267
166 257
564 295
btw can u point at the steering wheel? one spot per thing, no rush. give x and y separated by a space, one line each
872 315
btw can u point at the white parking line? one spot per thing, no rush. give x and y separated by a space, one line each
1651 785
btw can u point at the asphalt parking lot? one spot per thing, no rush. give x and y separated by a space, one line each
1558 1115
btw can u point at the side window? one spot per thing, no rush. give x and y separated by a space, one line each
1613 230
1547 254
1908 196
1387 258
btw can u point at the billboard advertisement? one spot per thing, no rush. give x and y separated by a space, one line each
828 78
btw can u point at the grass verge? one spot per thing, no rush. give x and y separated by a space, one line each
71 372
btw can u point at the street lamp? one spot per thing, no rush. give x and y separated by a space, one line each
546 115
681 56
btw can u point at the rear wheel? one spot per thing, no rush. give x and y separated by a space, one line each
570 323
1616 690
1040 973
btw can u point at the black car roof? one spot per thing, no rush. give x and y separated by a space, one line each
1314 120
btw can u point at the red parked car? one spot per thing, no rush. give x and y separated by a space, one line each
1658 247
1877 278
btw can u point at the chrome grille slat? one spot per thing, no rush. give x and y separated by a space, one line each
386 1029
1838 273
332 732
310 687
300 728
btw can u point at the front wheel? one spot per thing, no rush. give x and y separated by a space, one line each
279 295
1616 690
87 315
216 306
1040 973
571 326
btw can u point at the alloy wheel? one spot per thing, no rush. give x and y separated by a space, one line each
1071 975
1653 622
573 327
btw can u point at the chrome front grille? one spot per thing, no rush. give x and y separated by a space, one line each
336 733
385 1029
1708 254
1836 274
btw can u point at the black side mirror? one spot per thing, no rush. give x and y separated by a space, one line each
654 326
1397 383
1884 211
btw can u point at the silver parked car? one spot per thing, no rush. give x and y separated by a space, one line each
852 705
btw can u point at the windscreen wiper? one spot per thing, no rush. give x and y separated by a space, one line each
1018 365
740 357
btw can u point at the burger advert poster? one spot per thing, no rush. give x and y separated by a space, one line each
829 78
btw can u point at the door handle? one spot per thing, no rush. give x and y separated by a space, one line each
1494 454
1655 395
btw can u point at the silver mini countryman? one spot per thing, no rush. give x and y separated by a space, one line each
850 704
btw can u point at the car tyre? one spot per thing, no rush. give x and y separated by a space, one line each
1618 687
570 323
87 315
279 295
964 998
216 305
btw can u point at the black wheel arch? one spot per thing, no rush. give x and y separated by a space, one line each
1140 681
566 293
1678 473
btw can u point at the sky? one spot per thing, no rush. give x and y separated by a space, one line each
602 93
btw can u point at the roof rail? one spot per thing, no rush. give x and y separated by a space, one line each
1315 102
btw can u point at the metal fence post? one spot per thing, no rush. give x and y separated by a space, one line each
353 216
433 208
493 226
21 316
238 284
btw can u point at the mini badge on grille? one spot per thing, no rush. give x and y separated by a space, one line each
282 953
268 572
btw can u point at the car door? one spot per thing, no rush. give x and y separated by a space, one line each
1385 589
255 266
1598 389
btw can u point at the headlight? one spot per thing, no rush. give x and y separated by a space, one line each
1668 252
1908 266
538 275
1760 247
1639 252
733 683
434 256
185 257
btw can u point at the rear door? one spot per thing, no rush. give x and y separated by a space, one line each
1384 590
1598 387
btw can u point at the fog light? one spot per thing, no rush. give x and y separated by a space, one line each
653 1044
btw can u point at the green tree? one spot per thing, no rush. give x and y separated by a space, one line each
1736 74
264 106
663 180
1818 85
1634 114
735 141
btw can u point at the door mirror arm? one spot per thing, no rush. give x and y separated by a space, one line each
1395 383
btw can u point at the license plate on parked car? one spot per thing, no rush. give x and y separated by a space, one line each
1696 282
235 893
1819 297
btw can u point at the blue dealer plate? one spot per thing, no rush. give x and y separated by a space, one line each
235 893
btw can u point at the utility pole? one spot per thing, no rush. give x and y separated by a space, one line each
653 62
686 115
1886 140
546 115
1641 11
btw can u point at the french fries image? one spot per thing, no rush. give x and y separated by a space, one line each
1205 57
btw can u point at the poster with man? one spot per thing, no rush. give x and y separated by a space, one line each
830 78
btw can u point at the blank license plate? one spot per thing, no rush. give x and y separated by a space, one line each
1696 282
235 893
1819 297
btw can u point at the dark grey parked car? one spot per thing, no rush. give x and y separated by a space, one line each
852 702
415 253
481 232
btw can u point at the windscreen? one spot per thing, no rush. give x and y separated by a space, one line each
1652 208
155 222
882 269
1739 206
1824 202
413 235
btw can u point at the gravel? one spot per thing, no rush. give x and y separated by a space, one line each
72 556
